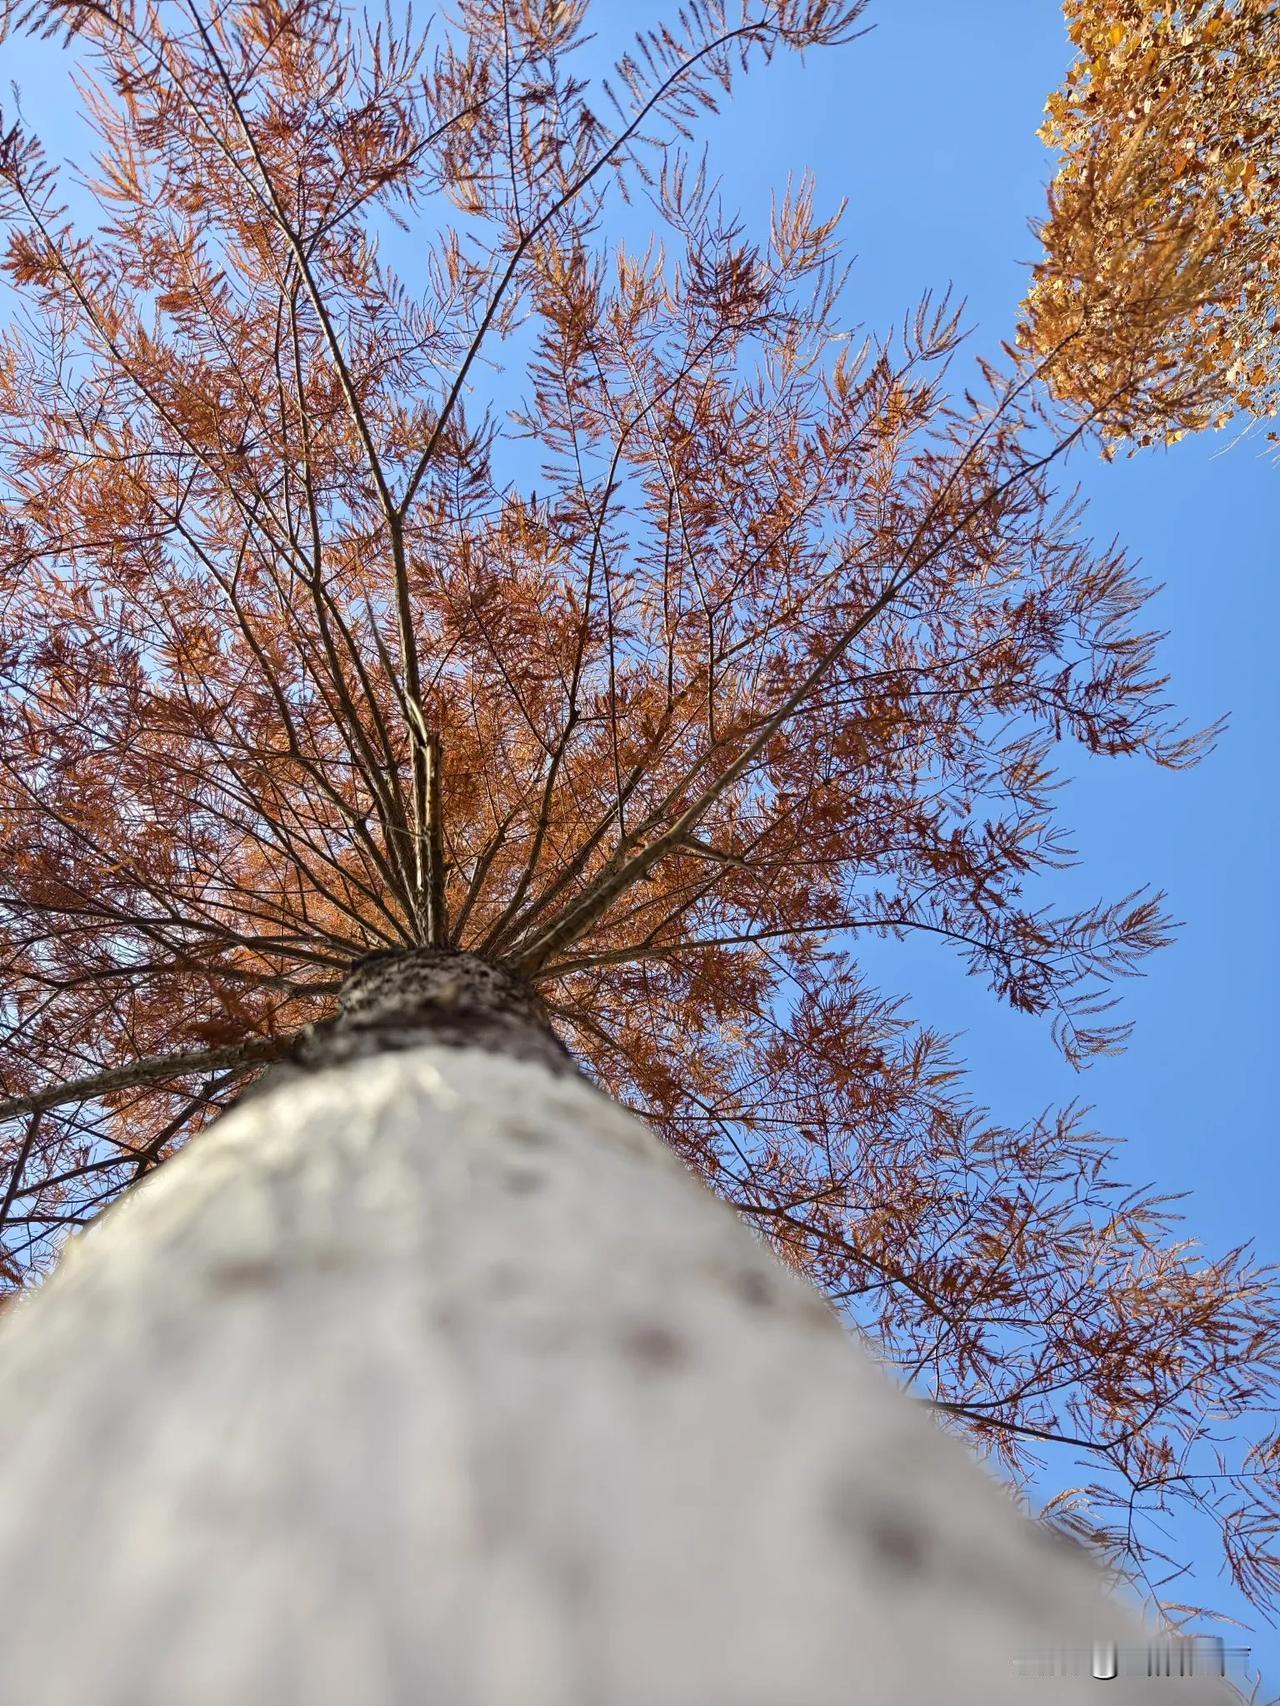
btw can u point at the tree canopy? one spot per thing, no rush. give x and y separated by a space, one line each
662 664
1159 293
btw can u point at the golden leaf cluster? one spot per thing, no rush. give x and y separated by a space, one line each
1156 308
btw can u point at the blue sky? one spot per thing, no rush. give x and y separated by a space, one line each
927 126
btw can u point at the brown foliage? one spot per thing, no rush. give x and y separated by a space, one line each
662 667
1160 288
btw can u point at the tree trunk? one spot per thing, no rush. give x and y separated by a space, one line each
432 1378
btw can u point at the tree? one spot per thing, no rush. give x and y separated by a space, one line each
443 1379
706 645
1158 288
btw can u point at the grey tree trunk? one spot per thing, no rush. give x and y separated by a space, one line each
433 1377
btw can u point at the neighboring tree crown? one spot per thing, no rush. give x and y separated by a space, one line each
1158 298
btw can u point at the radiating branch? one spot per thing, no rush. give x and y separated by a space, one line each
156 1070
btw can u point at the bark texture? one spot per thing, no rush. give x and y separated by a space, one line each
433 1379
393 1001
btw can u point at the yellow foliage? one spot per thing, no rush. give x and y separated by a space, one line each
1157 304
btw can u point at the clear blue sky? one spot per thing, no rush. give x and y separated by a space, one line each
927 126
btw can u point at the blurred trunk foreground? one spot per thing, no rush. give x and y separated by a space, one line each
429 1377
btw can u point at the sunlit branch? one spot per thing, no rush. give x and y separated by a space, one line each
156 1070
628 867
